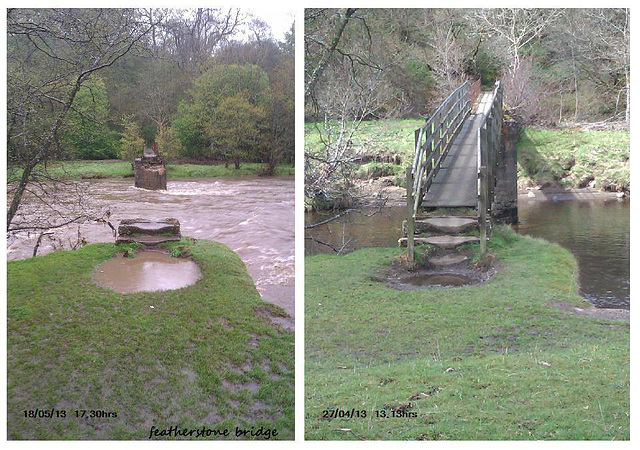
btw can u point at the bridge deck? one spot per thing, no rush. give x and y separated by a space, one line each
456 184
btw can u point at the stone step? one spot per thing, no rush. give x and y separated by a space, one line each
447 260
149 227
443 224
444 241
146 238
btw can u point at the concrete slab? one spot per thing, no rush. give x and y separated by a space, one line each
447 260
444 242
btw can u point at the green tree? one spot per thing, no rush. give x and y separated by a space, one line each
51 54
86 132
280 118
236 129
169 145
132 142
192 122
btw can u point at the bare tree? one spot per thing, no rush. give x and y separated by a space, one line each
51 54
446 47
517 26
327 49
602 38
345 85
193 36
345 103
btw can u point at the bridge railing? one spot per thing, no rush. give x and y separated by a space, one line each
489 142
433 140
475 88
432 143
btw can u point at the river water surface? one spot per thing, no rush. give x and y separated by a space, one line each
252 216
595 231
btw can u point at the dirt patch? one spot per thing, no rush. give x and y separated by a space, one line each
225 323
282 319
371 191
251 386
463 273
591 311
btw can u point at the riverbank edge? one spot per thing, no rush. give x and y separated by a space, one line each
568 194
373 193
53 299
113 169
559 350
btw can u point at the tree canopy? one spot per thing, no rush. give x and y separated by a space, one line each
102 83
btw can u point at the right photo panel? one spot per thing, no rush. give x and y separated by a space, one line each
467 214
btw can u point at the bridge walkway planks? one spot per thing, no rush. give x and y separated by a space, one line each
456 184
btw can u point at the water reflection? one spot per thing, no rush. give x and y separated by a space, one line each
595 231
147 271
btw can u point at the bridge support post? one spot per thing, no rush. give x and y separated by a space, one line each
482 208
410 220
505 204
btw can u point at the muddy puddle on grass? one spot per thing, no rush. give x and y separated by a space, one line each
464 273
440 280
148 271
425 279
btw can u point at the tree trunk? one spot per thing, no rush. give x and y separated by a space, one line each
44 150
317 72
628 111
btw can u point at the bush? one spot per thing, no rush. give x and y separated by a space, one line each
169 145
132 142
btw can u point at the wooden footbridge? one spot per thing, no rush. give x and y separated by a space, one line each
459 160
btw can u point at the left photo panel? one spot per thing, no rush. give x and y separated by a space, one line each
150 224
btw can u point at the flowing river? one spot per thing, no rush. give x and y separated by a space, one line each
252 216
595 231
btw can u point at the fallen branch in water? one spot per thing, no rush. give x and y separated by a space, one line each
35 248
347 211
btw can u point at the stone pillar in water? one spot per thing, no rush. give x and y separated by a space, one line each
150 171
505 201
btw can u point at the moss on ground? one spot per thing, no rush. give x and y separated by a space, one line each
494 361
204 355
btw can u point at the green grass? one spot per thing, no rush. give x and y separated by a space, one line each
204 355
567 158
382 138
73 170
574 158
496 361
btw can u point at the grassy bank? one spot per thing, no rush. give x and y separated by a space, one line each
205 355
381 140
74 170
574 158
569 158
495 361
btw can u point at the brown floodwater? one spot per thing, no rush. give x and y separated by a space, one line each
147 271
252 216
